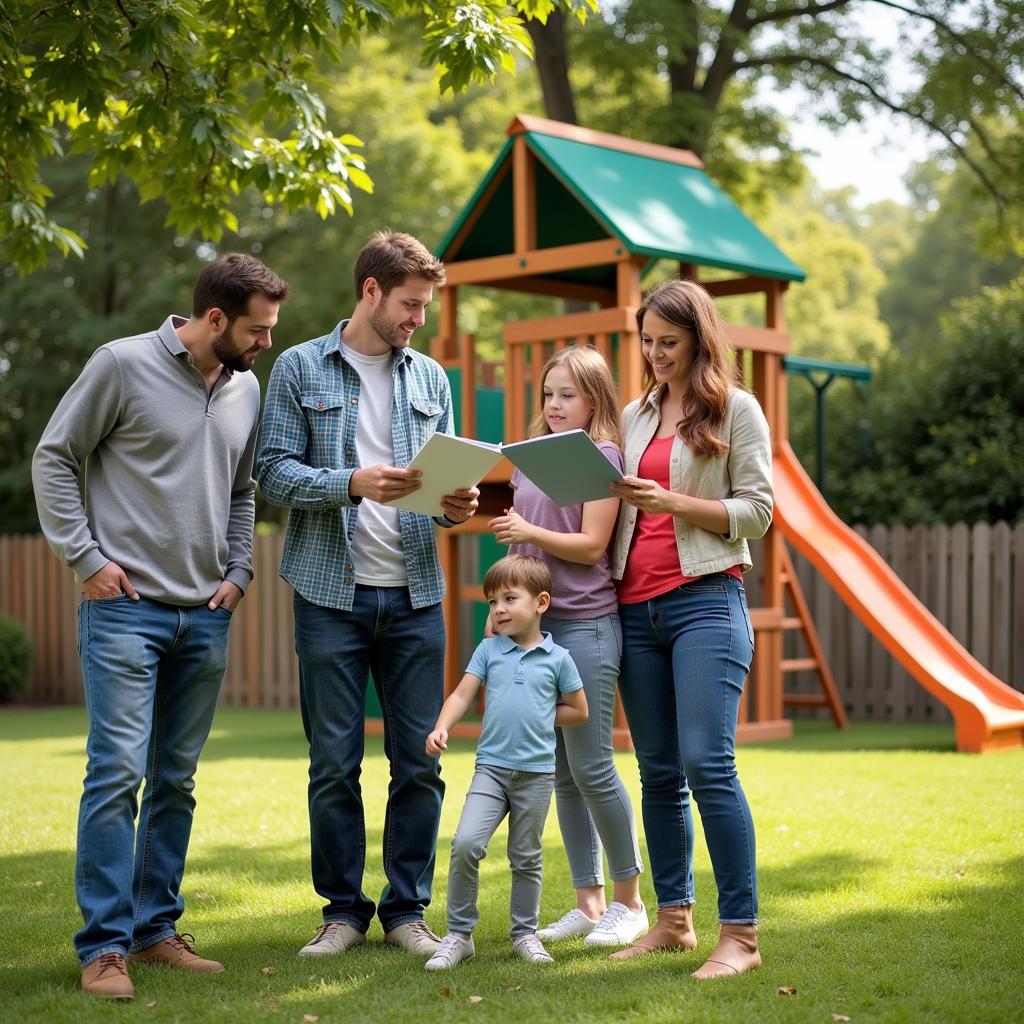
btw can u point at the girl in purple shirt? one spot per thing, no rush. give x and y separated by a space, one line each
594 809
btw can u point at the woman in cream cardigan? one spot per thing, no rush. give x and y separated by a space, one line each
698 456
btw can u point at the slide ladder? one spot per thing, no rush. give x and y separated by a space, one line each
988 714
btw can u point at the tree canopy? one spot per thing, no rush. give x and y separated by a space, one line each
689 57
195 101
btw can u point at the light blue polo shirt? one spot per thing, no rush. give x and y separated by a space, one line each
522 691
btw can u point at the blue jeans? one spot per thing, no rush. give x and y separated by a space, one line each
403 647
152 675
684 660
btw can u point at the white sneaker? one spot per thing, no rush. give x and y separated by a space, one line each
333 937
415 937
453 950
568 926
619 927
529 947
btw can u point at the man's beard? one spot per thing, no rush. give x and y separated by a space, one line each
388 330
226 350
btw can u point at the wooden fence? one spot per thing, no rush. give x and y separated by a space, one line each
971 577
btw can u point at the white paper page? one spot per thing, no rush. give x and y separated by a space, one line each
447 463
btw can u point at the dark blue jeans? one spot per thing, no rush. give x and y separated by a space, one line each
403 648
152 675
685 656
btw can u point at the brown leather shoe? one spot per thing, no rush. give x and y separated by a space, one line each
673 930
177 951
736 953
107 977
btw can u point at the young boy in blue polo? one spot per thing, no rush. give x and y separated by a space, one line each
532 686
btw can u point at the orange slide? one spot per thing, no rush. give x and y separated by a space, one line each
988 713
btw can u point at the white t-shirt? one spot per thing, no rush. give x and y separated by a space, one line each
376 550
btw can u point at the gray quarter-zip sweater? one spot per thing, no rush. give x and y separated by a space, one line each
165 468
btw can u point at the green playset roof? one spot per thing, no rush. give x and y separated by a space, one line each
656 201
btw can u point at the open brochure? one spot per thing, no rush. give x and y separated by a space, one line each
567 467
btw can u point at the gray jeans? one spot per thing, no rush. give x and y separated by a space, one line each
495 792
593 805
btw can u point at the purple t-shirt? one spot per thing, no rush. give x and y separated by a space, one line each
580 591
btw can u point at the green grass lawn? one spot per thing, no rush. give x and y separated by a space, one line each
891 875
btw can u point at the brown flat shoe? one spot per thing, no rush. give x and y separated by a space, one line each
177 951
736 953
673 931
107 977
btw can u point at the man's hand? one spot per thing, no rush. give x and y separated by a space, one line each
461 505
437 741
383 483
228 594
110 581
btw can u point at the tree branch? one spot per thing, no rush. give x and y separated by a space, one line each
127 17
986 144
787 13
958 36
790 59
167 80
736 27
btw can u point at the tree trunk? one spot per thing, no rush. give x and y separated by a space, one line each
552 63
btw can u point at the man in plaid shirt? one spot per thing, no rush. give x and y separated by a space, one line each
344 415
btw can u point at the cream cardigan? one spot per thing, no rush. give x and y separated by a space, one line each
741 479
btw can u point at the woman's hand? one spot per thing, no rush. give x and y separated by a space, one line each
511 528
646 495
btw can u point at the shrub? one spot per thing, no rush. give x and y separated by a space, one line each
16 654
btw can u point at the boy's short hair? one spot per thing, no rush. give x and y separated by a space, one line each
389 257
526 571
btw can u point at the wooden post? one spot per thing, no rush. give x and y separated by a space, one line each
775 318
524 196
631 361
767 387
448 555
467 365
448 319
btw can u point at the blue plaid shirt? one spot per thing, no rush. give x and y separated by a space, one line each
307 455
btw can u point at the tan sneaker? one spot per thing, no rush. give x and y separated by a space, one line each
415 937
177 951
107 977
333 937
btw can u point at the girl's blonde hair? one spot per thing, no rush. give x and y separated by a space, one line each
686 304
593 380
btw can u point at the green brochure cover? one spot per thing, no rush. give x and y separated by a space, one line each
568 467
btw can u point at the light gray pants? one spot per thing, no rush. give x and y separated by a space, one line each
593 805
494 793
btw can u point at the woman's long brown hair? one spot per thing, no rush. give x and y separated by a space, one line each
686 304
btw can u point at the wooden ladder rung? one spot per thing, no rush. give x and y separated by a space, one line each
793 622
807 700
799 664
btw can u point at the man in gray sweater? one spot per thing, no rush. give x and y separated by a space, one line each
158 433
